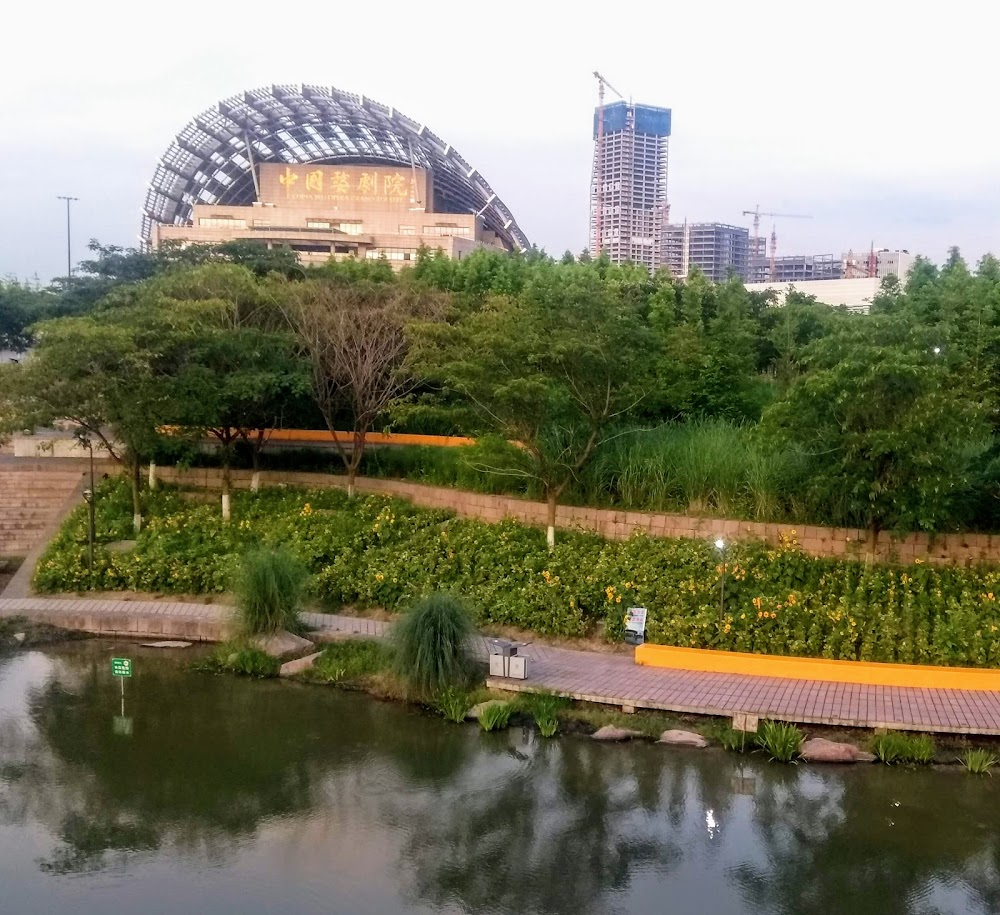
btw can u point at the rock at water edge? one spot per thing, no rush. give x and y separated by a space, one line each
282 644
610 732
679 738
818 749
291 668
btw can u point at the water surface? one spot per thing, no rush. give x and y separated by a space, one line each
221 795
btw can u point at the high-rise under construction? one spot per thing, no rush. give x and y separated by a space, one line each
628 206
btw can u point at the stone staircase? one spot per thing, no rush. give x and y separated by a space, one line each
31 499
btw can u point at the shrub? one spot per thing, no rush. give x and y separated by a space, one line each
978 761
737 741
431 643
894 748
780 740
547 725
242 659
495 717
268 589
453 703
351 659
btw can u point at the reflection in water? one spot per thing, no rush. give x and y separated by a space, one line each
236 796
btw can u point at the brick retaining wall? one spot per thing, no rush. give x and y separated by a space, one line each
944 549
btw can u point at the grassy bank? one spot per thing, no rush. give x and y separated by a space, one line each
380 552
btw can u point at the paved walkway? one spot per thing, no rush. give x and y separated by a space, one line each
614 679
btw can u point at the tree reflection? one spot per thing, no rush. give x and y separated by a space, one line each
557 832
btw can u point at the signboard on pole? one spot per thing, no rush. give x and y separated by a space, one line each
121 667
635 625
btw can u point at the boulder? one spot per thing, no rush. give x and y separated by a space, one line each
610 732
683 739
477 710
817 749
19 637
291 668
282 644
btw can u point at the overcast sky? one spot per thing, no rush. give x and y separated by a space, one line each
878 119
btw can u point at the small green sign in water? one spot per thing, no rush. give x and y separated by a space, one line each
121 667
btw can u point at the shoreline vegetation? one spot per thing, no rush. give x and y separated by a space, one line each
368 666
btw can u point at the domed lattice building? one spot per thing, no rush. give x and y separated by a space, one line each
326 173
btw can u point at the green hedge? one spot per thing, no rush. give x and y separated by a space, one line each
384 552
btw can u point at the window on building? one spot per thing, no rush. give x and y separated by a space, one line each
440 230
407 230
351 228
317 224
222 222
262 223
391 254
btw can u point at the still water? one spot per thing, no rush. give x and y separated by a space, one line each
227 796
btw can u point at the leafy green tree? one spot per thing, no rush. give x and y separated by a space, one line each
104 377
233 383
890 431
553 370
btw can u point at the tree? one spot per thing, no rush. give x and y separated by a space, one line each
551 370
102 376
353 335
233 383
890 431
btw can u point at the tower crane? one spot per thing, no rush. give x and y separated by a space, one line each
599 165
756 212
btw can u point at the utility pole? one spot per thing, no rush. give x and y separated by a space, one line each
69 259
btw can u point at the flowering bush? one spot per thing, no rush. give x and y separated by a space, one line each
377 551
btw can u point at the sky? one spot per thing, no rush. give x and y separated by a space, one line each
877 120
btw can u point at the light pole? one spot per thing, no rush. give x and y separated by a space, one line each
69 259
720 545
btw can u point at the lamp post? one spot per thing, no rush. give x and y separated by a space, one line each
69 259
720 545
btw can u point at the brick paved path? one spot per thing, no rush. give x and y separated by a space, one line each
614 679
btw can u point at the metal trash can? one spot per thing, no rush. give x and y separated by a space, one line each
504 661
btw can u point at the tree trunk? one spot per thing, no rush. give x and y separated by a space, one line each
550 518
352 472
873 533
255 457
136 503
226 507
152 474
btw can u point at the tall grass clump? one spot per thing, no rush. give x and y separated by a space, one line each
894 748
431 644
978 761
453 703
269 584
495 716
737 741
709 464
544 708
781 741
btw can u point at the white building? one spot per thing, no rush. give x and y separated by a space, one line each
887 263
853 294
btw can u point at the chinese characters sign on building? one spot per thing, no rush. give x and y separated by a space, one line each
308 183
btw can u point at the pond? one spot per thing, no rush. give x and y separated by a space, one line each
220 795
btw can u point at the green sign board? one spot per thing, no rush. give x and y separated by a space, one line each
121 667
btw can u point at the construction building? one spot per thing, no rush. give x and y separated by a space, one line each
325 173
716 249
629 214
798 268
878 264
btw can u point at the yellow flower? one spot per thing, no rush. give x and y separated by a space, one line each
757 603
743 616
379 576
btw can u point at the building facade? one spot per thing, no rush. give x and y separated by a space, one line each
716 249
797 268
628 212
852 294
325 172
884 261
339 212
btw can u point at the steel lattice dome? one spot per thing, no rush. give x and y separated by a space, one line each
208 161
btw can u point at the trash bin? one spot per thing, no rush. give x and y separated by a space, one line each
504 661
